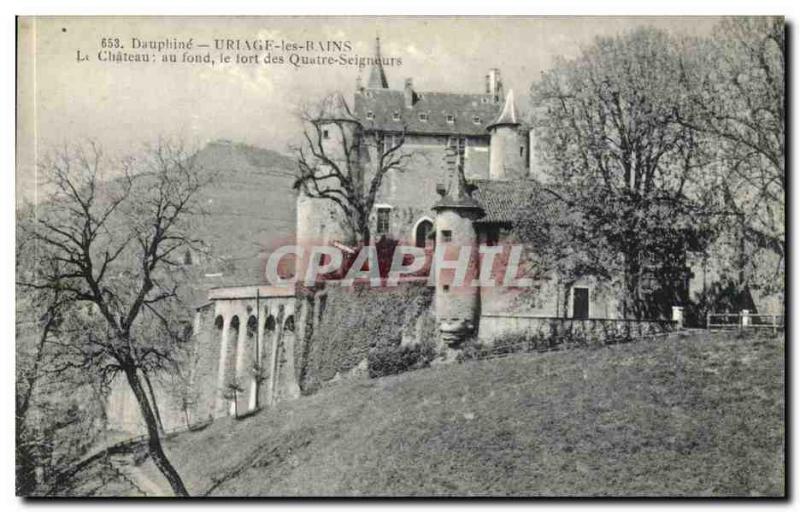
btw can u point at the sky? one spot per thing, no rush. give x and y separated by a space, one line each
122 106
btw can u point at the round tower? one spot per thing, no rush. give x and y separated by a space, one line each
508 146
457 304
337 133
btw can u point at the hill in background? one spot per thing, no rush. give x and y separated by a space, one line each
250 208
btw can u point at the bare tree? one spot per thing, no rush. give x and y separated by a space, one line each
738 106
38 318
340 161
116 231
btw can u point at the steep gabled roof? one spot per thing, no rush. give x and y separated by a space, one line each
501 200
382 104
334 108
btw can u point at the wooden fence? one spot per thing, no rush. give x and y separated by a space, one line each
527 334
744 320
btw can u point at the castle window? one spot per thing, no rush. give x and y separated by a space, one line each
396 116
370 116
447 235
423 116
476 120
382 224
325 134
422 233
451 119
446 288
187 257
522 151
492 236
484 100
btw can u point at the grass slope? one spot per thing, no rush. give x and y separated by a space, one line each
700 415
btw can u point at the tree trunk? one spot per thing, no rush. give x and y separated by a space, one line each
154 441
153 402
632 274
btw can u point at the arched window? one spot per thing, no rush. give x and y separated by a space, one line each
270 323
187 257
422 232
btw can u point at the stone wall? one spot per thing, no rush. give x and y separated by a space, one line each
349 321
498 326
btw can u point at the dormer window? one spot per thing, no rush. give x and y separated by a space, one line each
423 116
370 116
476 120
395 116
451 119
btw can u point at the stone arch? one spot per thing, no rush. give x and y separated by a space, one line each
421 232
232 351
269 325
252 327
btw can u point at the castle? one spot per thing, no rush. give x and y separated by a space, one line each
469 166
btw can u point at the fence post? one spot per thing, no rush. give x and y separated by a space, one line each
745 317
677 316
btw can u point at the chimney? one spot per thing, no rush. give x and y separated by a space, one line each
494 86
409 94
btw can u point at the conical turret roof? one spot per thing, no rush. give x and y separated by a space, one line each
334 108
508 116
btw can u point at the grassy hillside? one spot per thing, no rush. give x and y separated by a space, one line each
700 415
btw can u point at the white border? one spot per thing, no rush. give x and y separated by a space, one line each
319 7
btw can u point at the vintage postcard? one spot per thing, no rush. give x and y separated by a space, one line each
400 256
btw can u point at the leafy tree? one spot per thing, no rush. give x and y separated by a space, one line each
560 242
610 136
115 232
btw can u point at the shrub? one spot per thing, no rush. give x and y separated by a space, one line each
391 360
473 349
